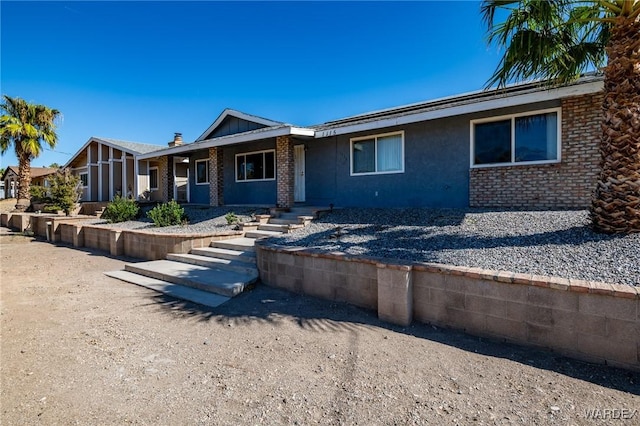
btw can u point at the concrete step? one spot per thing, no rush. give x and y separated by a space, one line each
296 216
274 227
213 262
219 281
261 234
221 253
174 290
239 244
281 221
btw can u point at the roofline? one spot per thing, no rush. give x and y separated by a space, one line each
238 114
507 100
231 140
104 142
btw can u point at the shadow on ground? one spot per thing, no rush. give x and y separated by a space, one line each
266 304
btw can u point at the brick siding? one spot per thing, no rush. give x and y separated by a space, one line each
163 176
284 171
568 184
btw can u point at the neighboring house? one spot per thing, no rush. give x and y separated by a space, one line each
107 167
39 176
523 146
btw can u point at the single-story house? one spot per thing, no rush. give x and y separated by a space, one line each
523 146
39 176
108 167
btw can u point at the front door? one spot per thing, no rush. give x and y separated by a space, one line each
299 194
181 182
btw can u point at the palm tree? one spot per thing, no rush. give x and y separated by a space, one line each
557 40
26 126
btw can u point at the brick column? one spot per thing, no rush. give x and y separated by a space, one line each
216 177
169 176
163 176
284 171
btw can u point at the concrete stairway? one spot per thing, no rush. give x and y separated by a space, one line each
209 276
212 275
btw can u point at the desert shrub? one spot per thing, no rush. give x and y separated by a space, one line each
231 218
167 214
51 208
39 194
66 191
120 210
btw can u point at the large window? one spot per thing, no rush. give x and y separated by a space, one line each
252 166
378 154
202 172
153 178
516 139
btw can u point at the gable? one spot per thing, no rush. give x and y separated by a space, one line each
232 122
231 125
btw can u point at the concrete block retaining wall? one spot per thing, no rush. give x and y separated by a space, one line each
596 322
140 244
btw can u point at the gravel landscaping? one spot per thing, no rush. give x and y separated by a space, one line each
557 243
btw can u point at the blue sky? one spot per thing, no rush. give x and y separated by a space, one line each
140 71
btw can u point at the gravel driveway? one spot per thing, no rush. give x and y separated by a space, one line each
78 347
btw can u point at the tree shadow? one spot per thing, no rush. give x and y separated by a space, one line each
270 305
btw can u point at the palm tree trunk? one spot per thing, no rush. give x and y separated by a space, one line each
24 182
616 203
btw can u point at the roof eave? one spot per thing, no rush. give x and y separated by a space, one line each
238 114
480 105
230 140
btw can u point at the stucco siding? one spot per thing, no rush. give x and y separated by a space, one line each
260 192
436 170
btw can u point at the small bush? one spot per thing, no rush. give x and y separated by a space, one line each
231 218
39 194
51 208
167 214
66 190
120 210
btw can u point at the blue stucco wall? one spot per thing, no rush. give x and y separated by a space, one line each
436 169
199 194
261 192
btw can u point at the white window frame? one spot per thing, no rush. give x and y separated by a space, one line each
375 162
157 179
512 118
206 161
80 177
244 154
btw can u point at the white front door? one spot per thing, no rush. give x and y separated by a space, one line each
299 170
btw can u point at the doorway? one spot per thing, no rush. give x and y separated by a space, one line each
299 191
181 180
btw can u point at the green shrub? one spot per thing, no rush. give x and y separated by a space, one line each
66 190
121 210
39 194
167 214
231 218
51 208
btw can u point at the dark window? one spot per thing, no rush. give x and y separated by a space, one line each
255 166
153 178
202 171
530 138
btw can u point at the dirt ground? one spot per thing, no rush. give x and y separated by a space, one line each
78 347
